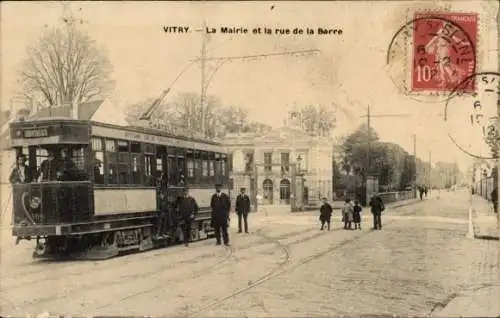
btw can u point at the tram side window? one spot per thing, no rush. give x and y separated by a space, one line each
217 166
204 165
181 169
162 169
123 162
224 165
190 166
135 156
97 160
197 166
111 162
149 171
211 165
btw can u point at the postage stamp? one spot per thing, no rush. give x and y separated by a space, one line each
432 53
443 52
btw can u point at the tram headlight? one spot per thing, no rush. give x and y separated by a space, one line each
35 202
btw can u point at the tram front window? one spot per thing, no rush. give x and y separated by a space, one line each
60 163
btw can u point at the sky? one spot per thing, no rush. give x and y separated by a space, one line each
350 70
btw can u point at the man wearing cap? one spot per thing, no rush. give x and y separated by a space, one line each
242 209
188 209
220 204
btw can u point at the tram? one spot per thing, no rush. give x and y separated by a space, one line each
112 205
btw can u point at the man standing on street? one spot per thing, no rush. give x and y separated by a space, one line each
494 199
377 206
242 209
188 209
220 204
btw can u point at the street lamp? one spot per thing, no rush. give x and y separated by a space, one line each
299 161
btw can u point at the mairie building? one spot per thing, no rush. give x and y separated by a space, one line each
283 170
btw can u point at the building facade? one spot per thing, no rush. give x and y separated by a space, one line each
285 169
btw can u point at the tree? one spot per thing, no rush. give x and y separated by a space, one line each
317 119
183 115
65 65
355 148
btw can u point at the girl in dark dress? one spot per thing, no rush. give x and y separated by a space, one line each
357 215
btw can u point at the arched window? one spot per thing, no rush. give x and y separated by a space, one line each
285 191
267 186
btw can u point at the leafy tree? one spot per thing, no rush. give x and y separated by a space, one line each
63 66
355 147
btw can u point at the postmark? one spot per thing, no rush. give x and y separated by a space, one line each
433 53
472 119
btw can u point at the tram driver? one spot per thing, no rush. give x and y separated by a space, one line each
48 168
59 168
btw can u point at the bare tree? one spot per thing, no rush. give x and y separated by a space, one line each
184 116
65 65
318 119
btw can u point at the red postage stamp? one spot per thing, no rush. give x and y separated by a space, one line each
444 51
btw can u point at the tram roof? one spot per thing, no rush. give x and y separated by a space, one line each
96 114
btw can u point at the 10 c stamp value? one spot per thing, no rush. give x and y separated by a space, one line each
443 51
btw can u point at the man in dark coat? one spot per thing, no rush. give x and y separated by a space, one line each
188 209
325 214
163 220
421 191
220 205
21 173
494 199
377 206
242 209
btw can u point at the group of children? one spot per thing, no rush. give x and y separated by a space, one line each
351 213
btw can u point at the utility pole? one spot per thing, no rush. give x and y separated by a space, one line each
369 141
368 122
368 155
430 173
203 86
414 137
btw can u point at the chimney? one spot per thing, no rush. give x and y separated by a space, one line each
74 110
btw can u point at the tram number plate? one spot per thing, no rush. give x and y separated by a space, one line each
36 133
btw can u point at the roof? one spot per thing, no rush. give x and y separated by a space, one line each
85 111
279 135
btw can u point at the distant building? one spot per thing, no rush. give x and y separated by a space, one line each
283 169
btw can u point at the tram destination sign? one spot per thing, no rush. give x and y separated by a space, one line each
36 132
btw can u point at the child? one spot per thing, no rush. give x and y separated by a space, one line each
357 215
347 212
325 214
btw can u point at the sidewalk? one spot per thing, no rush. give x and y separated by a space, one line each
482 302
484 219
261 217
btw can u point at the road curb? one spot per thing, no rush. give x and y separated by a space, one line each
392 205
484 298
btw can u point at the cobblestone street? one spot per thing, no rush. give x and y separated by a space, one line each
419 262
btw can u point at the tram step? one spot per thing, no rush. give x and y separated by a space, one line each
128 248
